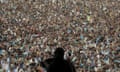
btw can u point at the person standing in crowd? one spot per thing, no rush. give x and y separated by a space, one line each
59 64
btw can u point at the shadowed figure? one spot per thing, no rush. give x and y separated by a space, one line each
59 64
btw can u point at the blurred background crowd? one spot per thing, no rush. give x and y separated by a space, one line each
88 30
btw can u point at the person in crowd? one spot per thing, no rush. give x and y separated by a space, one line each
59 64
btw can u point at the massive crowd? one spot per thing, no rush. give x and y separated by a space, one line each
88 30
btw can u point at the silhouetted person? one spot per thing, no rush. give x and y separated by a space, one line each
59 64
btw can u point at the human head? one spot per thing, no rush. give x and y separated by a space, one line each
59 53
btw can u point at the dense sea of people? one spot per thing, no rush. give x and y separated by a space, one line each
88 30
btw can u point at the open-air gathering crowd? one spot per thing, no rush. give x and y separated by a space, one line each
88 30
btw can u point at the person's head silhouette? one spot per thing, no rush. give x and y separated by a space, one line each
59 53
59 64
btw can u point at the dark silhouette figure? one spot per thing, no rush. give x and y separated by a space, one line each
59 64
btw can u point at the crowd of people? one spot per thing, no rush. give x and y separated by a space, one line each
88 30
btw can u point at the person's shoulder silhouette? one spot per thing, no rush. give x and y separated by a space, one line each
59 64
